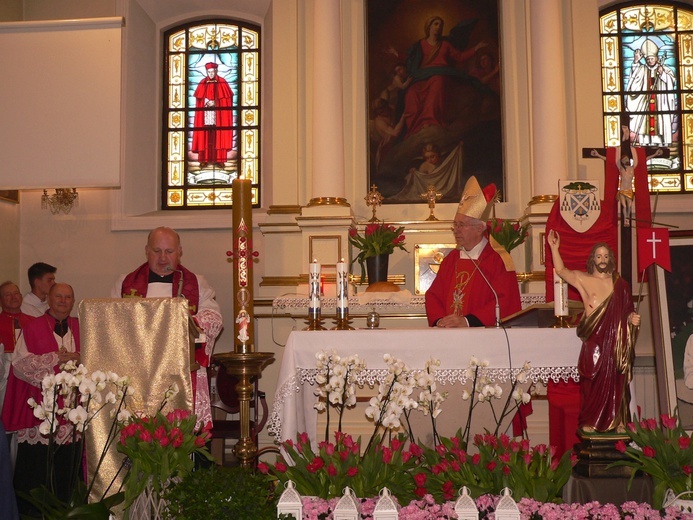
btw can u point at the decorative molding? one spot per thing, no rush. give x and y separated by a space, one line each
542 199
328 201
284 210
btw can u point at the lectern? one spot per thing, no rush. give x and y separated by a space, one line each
146 339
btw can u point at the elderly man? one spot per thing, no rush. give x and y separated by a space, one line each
46 343
606 359
162 276
476 277
41 279
12 321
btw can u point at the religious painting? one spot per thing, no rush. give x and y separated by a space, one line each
9 195
427 260
434 97
671 301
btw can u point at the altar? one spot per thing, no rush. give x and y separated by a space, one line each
552 354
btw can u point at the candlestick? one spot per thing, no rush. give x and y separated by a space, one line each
560 295
242 217
314 285
342 288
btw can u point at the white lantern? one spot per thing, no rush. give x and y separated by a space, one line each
348 507
290 502
507 508
386 507
465 507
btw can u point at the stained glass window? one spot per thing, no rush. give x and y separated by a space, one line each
211 127
647 75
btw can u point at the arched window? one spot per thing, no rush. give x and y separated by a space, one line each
211 116
647 75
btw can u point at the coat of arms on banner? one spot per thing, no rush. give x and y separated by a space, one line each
580 203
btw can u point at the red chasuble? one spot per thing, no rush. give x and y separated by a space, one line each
460 289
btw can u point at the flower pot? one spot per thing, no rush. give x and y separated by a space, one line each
376 267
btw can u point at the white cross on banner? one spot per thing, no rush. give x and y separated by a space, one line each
653 248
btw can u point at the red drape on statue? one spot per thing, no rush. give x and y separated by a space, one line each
564 397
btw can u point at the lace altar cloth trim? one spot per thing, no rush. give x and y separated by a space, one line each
373 376
416 302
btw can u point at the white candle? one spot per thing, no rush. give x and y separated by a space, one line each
314 285
560 295
342 285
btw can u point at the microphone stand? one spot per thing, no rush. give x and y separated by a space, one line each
180 282
495 294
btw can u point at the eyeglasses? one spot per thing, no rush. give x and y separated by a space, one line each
458 225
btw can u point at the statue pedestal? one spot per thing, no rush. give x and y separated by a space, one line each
596 451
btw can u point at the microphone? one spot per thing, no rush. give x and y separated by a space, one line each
180 282
495 294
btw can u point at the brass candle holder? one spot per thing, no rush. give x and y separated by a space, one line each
342 321
245 366
314 321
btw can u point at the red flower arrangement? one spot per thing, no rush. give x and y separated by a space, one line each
378 239
663 451
160 448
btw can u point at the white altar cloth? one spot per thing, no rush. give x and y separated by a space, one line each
552 353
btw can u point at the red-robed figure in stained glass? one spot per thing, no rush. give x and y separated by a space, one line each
212 134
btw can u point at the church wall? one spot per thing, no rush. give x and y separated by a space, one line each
105 235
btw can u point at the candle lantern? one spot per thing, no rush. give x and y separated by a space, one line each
348 507
507 508
386 508
290 502
465 507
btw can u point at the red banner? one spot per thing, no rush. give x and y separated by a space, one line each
653 248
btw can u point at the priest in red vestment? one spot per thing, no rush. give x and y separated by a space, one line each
162 276
46 343
212 134
12 321
476 283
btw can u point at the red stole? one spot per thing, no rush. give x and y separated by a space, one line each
7 337
39 338
136 283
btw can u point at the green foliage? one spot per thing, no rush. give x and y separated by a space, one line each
662 451
160 448
326 472
499 462
507 233
218 493
378 239
51 508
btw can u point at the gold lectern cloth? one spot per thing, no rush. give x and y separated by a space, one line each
145 339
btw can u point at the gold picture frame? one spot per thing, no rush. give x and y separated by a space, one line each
427 259
10 195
